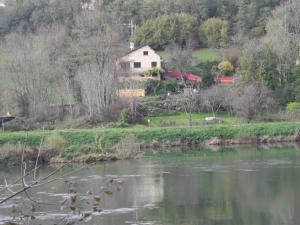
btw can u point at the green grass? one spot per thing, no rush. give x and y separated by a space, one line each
181 119
199 55
205 55
188 135
82 142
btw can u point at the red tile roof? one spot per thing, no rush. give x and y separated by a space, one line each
224 79
188 76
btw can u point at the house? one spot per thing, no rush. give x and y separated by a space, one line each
182 76
139 60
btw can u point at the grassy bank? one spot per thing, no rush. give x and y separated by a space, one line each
104 141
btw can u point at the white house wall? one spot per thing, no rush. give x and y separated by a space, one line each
145 60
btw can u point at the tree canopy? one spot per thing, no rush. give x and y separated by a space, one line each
165 29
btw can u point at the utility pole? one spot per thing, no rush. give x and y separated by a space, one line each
298 59
132 27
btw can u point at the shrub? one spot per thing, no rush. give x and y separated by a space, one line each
55 141
154 72
132 116
156 87
99 145
128 148
226 67
293 107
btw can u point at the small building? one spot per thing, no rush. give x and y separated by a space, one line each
182 76
225 80
139 60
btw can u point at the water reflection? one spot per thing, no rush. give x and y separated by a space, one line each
243 188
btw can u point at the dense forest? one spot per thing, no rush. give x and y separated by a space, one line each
245 17
62 52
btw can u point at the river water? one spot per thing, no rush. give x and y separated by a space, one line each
244 186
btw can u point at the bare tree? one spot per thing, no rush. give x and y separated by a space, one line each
30 70
97 48
180 57
186 101
252 101
214 98
283 35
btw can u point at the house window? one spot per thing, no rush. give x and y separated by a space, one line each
154 64
146 53
137 65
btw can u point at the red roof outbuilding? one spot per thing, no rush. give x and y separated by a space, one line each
224 79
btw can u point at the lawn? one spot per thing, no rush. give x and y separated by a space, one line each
181 119
206 55
199 55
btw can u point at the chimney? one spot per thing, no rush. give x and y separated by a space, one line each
131 46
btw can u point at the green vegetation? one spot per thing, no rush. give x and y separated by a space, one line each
199 55
156 87
165 29
181 119
293 107
206 55
215 32
111 136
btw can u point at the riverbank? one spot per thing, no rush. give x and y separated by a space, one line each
102 144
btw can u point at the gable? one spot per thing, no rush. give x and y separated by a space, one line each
140 52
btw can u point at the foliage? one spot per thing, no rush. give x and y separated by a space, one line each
55 142
258 62
129 116
154 72
205 70
293 107
99 146
127 148
245 17
165 29
156 87
215 32
110 137
226 67
295 71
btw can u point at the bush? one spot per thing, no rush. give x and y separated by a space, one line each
55 141
155 72
128 148
205 71
293 107
156 87
128 116
215 32
225 67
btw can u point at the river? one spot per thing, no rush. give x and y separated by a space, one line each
242 186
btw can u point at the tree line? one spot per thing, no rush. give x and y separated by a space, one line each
68 60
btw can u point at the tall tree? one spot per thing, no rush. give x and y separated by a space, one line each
215 32
165 29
